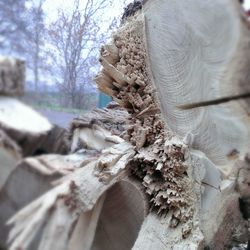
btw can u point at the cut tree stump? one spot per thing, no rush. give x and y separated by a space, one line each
183 166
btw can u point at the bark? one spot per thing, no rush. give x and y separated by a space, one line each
12 76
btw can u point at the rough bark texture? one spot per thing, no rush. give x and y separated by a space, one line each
12 76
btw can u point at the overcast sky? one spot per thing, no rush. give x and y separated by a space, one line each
247 4
116 9
51 6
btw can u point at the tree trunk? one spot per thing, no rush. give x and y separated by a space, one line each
181 53
174 177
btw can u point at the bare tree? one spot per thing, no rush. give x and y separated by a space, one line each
75 37
22 33
37 39
13 24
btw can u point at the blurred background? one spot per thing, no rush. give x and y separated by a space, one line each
60 42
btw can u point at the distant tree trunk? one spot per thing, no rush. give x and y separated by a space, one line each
36 61
38 36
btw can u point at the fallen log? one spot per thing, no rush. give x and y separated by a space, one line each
32 177
23 124
77 194
185 162
32 132
112 118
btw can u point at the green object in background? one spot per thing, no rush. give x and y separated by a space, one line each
103 100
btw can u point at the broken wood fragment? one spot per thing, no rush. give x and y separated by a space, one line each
164 162
98 129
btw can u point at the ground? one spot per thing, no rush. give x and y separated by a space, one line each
61 119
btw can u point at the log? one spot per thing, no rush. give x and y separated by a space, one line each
23 124
56 141
124 205
77 194
33 133
12 76
173 54
41 172
183 165
10 154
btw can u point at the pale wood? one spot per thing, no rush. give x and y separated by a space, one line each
98 128
23 124
178 51
85 230
31 178
123 213
77 193
10 154
186 162
208 66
